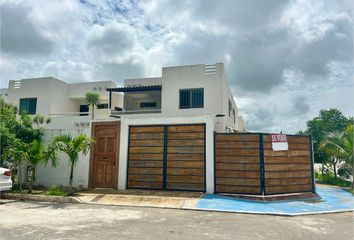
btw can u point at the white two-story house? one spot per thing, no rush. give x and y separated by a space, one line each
136 125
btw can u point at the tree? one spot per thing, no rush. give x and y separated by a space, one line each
332 146
92 100
36 152
318 128
340 146
8 126
17 155
72 146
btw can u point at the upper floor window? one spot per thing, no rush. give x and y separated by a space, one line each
102 106
230 107
28 105
191 98
234 113
84 109
148 104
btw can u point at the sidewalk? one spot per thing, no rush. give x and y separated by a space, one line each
333 199
146 198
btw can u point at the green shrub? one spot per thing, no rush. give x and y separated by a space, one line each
55 190
329 179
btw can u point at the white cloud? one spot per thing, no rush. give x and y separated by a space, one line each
285 60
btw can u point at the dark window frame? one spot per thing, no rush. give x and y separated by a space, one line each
192 94
102 106
31 109
148 104
234 113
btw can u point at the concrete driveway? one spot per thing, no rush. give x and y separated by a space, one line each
36 220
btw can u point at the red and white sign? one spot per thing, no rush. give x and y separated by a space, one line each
279 142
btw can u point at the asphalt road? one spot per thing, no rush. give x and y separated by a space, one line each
35 220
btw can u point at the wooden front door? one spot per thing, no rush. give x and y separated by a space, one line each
104 156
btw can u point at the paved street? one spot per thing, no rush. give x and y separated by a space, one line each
35 220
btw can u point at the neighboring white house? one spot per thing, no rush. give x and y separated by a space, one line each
196 94
63 102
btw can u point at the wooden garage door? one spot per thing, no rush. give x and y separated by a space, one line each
145 162
169 157
186 158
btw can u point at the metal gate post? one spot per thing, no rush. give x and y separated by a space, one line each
164 160
261 162
312 165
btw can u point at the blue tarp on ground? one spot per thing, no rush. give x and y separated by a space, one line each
332 199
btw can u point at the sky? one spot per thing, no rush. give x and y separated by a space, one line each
284 59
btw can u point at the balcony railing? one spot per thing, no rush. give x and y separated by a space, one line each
136 111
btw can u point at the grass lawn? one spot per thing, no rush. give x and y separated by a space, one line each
331 180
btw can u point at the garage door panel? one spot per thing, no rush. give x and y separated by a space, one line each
147 129
147 136
179 135
190 156
185 186
146 150
188 129
145 156
144 143
145 185
185 164
185 149
150 163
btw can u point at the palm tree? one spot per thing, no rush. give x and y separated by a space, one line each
92 100
35 153
39 120
73 147
332 146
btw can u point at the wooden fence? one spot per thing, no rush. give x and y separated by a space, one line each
246 164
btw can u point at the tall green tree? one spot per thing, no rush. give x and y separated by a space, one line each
328 121
73 147
8 128
92 99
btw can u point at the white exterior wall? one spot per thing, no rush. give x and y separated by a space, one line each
58 99
185 77
209 144
142 82
78 90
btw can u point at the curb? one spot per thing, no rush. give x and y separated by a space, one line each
72 199
42 198
227 211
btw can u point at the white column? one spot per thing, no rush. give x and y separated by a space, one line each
209 155
123 154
